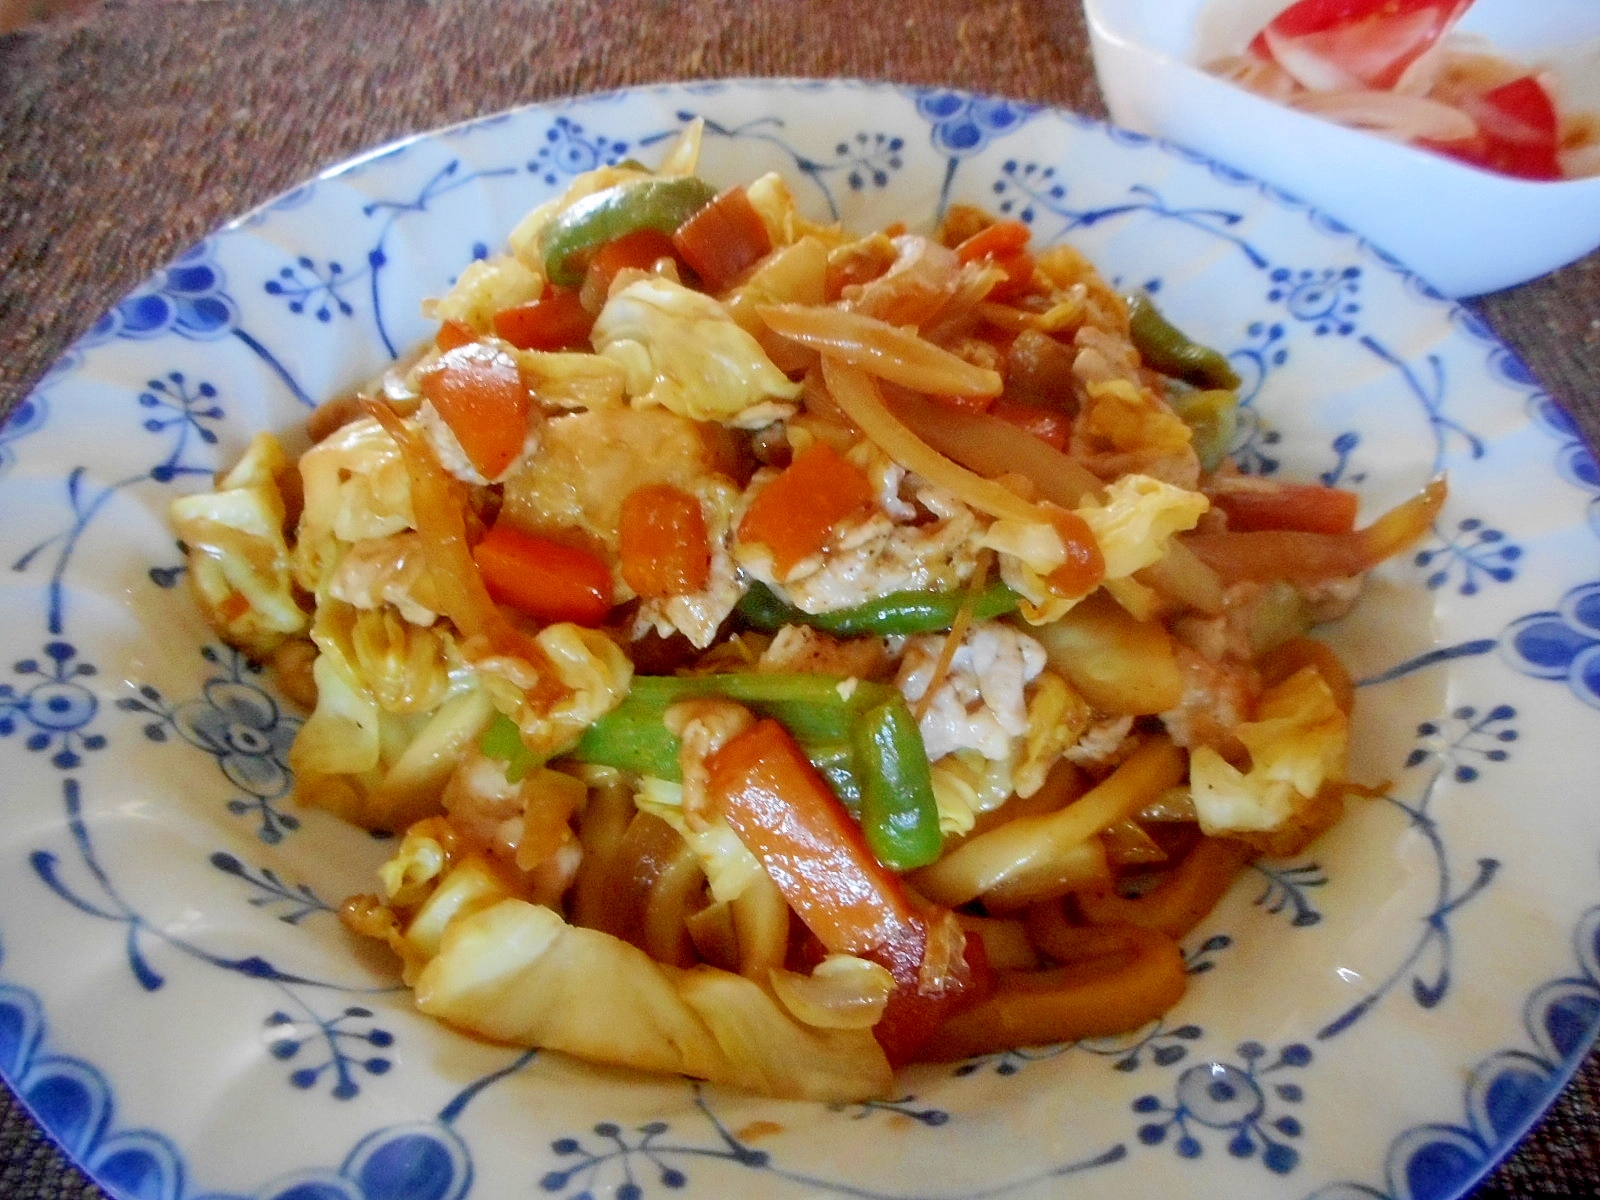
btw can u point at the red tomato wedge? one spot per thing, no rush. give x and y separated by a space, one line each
478 392
1518 131
1335 45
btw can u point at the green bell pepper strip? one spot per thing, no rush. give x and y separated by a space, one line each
632 736
896 612
1166 348
1212 415
861 737
898 813
502 740
582 228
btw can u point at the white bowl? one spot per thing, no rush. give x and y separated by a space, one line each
1463 230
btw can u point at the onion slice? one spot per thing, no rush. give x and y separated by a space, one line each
856 393
899 355
842 992
1390 115
992 447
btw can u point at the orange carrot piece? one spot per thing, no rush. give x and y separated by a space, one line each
664 547
998 241
724 239
545 579
793 515
557 320
1272 505
1303 557
479 393
788 817
1052 426
453 333
785 812
641 249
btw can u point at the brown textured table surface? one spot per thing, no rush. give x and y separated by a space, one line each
127 131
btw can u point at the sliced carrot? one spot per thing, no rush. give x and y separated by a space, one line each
724 239
1000 240
1053 426
545 579
453 333
478 392
557 320
1268 504
641 250
1304 557
788 817
785 812
664 548
793 515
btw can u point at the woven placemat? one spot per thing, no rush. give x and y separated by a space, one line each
128 131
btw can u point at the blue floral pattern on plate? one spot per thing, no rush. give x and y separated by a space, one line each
180 1008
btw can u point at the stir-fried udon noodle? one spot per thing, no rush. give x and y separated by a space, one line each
783 655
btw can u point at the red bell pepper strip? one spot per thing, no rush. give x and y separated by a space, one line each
1331 45
547 580
478 392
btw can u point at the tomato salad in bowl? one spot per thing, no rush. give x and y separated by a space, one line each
784 654
1458 138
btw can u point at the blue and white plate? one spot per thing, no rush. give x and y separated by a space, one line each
1380 1016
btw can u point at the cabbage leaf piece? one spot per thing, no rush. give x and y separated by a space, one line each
396 707
356 487
239 561
680 349
516 972
1133 525
1297 743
